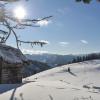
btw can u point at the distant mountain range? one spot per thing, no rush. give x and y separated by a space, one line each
51 59
41 62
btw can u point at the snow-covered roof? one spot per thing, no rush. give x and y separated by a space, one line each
11 55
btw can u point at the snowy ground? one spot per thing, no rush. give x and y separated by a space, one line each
83 83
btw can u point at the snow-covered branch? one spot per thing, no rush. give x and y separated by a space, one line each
10 23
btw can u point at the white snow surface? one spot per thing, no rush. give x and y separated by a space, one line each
11 54
82 83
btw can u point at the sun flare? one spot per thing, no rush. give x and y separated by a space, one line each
19 12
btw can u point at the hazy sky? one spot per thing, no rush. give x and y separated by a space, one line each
74 28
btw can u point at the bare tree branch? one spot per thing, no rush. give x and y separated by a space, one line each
11 23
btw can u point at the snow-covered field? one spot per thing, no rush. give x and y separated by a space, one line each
82 83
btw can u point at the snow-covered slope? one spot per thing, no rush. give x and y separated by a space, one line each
82 83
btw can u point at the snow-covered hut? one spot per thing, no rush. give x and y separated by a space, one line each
11 64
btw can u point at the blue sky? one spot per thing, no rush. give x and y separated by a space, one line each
73 29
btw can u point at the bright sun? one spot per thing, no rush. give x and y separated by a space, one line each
19 12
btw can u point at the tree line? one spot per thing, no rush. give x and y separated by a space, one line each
86 1
92 56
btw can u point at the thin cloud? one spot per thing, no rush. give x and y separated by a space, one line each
64 43
30 51
63 10
84 41
43 23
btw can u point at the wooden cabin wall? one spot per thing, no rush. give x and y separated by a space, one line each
0 70
11 74
4 79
